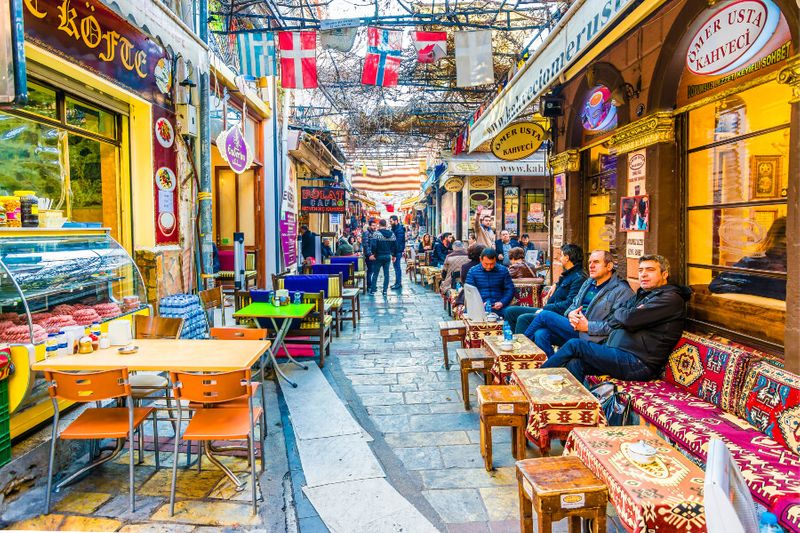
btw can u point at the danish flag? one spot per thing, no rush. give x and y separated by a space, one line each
431 45
382 64
298 59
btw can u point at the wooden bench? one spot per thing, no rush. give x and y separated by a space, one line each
452 331
502 405
473 360
560 487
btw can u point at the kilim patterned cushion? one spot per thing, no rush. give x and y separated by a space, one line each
524 295
771 402
771 470
711 371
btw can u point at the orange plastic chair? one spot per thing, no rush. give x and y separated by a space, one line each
211 423
95 423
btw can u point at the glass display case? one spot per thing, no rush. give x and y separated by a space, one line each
53 279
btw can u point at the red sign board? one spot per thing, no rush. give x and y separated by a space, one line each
90 34
323 199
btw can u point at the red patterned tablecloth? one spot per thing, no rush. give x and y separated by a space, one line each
556 407
666 495
476 331
525 355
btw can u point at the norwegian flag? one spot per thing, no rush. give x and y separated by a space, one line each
298 59
382 64
431 45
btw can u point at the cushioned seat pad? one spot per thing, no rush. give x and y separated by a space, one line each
771 470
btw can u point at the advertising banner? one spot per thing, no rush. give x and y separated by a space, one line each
323 199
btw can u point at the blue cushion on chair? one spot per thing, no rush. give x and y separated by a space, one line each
307 283
339 268
346 259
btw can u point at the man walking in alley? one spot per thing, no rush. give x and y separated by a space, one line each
492 281
369 258
584 318
383 250
400 245
643 330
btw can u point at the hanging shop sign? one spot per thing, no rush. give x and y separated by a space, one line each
740 39
454 184
165 186
234 149
575 33
482 183
323 199
518 141
489 165
92 35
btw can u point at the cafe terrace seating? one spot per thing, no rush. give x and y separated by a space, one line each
740 396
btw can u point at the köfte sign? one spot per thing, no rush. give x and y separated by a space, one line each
518 141
323 199
732 36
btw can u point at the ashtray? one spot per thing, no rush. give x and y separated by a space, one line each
642 453
128 349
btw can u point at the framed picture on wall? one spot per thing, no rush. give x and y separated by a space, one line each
634 213
765 178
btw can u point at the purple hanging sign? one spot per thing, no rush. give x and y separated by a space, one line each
234 149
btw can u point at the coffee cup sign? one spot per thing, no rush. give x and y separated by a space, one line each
518 140
234 149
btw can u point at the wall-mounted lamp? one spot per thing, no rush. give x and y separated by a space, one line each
188 83
624 92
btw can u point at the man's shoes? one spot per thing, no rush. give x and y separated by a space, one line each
372 291
396 287
383 292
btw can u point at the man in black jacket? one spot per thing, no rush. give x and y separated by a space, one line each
561 295
503 245
383 248
308 243
644 330
442 248
366 244
400 236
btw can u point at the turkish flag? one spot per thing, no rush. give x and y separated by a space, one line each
298 59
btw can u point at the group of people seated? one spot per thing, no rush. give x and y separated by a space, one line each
599 324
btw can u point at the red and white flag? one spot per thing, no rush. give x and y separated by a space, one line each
298 59
382 64
431 45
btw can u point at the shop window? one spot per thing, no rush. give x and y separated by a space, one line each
602 209
67 152
536 208
736 197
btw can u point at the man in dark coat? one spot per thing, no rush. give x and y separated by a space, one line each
643 330
442 248
307 242
383 248
400 237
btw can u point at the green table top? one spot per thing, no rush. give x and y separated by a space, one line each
267 310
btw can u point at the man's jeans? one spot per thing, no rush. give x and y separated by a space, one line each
517 317
583 357
398 273
381 263
549 328
370 270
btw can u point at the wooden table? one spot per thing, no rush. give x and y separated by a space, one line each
560 487
476 331
666 495
164 355
525 355
268 316
555 408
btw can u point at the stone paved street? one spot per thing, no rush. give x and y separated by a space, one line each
391 372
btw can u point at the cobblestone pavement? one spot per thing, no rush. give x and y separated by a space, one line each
391 371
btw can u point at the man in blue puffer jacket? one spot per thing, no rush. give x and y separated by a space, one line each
493 281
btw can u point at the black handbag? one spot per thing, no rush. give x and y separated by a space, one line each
616 405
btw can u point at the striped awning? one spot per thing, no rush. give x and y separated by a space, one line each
394 178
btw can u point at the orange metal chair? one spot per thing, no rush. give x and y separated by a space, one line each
212 423
247 334
95 423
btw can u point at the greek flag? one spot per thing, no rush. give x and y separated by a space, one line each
256 54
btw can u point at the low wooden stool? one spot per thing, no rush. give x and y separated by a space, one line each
451 331
473 360
502 405
560 487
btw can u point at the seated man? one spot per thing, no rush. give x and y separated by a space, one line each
598 295
561 295
442 249
452 264
492 281
518 267
643 330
